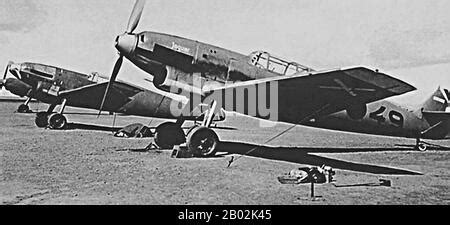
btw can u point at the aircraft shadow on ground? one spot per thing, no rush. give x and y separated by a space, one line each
79 126
303 156
359 185
430 148
300 155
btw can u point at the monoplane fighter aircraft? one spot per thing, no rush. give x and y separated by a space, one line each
258 85
57 86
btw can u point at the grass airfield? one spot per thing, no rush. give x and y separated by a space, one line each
87 165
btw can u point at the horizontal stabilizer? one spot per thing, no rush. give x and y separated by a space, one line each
440 130
436 116
440 122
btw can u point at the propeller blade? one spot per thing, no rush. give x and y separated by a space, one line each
6 71
135 16
3 81
114 74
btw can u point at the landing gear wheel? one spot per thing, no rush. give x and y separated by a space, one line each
169 134
57 121
202 142
191 129
422 147
41 119
23 109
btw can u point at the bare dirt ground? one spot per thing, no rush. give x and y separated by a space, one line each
89 166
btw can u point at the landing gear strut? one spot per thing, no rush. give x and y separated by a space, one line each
24 108
56 121
202 141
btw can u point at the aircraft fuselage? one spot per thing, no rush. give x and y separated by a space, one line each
381 118
45 82
177 61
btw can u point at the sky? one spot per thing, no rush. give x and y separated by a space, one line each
408 39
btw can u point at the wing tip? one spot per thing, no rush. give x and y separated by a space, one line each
381 80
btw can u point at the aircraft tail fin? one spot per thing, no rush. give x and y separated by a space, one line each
434 111
438 102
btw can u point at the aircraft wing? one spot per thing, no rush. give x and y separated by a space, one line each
298 98
91 96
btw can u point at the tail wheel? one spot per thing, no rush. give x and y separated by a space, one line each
422 147
41 119
169 134
57 121
202 142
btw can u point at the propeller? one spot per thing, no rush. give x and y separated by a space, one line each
133 22
135 16
114 74
3 81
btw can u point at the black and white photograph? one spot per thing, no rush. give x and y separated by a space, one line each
224 102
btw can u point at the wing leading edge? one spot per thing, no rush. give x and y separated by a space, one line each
91 96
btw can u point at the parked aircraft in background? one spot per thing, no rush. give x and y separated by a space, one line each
57 86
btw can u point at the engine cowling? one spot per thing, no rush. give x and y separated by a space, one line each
176 81
159 79
17 87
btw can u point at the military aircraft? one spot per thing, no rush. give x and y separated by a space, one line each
260 85
57 86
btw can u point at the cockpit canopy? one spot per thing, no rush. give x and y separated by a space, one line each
39 68
277 65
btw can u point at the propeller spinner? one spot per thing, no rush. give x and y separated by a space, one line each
125 43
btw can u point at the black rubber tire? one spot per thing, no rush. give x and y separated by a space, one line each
57 121
23 109
203 142
357 111
41 119
169 134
